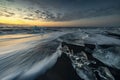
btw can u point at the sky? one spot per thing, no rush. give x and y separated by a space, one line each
60 12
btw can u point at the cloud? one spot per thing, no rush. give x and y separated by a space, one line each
6 13
89 13
28 18
65 10
48 15
10 0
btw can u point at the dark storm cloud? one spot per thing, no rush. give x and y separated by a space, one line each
77 14
48 15
10 0
90 13
75 9
74 4
66 10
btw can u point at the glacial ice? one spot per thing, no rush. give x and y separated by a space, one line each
109 56
107 51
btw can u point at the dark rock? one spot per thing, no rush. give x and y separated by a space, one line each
62 70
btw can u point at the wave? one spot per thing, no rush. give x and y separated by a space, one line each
24 60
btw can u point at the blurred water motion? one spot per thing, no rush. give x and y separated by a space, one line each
25 55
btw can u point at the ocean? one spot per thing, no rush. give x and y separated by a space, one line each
59 53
